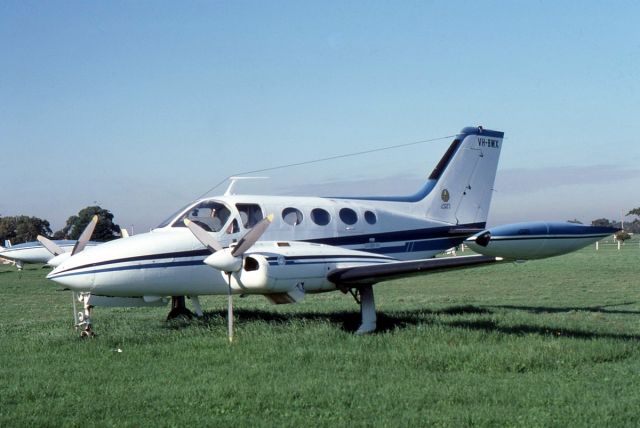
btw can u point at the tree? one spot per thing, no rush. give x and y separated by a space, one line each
602 222
622 236
23 228
635 211
634 226
105 230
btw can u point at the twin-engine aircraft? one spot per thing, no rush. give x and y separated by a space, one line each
285 247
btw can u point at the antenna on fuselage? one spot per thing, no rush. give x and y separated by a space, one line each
233 180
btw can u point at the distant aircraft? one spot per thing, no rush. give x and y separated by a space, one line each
51 252
35 252
314 244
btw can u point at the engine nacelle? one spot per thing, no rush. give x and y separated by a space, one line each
535 240
267 274
59 259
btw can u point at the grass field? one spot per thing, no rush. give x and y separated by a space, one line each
546 343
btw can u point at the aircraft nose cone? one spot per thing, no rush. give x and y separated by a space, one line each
67 276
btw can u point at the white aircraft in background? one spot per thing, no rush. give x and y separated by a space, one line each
36 252
316 244
30 252
51 252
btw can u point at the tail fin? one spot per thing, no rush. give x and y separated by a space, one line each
463 179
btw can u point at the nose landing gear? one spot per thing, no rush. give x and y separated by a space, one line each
82 318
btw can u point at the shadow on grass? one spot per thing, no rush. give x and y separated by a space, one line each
554 310
349 321
523 329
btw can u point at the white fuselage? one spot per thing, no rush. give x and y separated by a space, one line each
169 260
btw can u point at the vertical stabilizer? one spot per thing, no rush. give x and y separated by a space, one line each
464 178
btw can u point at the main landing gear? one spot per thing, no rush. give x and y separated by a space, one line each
364 297
82 318
179 308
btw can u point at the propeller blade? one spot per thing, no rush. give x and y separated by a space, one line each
51 246
251 236
85 236
203 236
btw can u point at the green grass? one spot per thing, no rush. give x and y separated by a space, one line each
546 343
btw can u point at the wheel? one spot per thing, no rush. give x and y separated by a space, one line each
87 334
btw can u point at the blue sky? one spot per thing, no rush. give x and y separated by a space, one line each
142 106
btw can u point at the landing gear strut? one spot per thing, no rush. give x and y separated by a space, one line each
82 318
178 308
364 296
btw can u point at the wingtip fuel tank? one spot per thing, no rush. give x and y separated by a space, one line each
535 240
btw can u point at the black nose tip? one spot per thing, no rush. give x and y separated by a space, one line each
483 240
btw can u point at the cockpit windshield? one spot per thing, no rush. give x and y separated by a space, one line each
169 219
210 215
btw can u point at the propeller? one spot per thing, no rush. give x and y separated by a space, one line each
85 236
54 249
51 246
202 236
228 260
62 256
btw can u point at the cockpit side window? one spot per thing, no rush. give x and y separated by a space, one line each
250 214
210 215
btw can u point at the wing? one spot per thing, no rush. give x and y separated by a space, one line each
374 273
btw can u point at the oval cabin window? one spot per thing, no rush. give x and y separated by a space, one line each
320 217
292 216
370 217
348 216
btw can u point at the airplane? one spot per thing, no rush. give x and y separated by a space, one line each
34 252
51 252
310 244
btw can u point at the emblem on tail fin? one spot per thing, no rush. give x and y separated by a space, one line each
445 199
